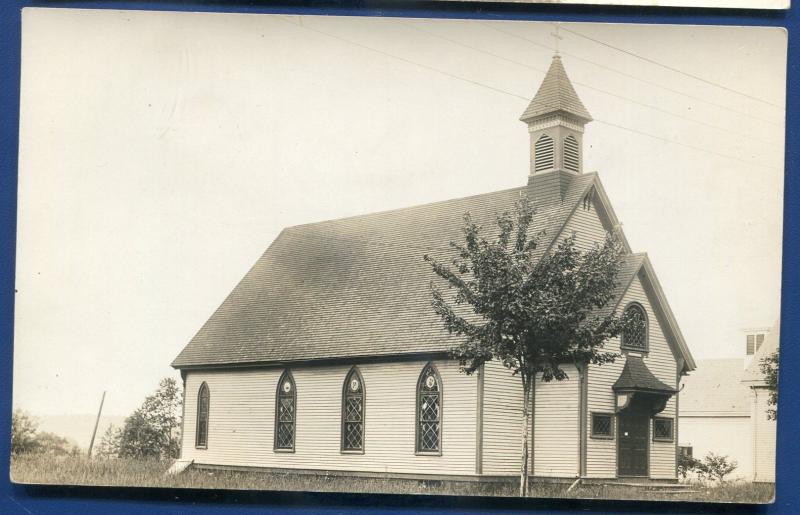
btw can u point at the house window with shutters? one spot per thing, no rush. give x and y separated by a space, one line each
572 158
543 158
429 411
662 429
602 425
754 342
201 431
634 337
285 413
353 413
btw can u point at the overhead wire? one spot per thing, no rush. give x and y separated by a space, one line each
631 76
588 86
672 68
521 97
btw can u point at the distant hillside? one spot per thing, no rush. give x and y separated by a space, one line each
78 428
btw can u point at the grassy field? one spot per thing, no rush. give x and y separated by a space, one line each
39 469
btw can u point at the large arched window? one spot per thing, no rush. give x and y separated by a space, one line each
543 157
353 412
634 337
572 158
285 413
429 411
201 430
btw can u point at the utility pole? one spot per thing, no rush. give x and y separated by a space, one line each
96 422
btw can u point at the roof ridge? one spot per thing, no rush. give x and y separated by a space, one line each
427 204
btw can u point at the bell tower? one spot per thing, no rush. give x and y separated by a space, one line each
556 118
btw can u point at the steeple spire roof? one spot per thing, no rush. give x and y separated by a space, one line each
556 94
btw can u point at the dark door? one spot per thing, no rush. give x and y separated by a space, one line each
634 425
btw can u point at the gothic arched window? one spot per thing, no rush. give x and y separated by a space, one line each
634 337
201 431
572 158
285 413
353 412
543 157
429 411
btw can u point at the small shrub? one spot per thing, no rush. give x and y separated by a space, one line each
715 467
686 465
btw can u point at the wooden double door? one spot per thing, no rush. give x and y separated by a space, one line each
633 441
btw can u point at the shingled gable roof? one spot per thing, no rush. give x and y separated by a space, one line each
556 94
358 287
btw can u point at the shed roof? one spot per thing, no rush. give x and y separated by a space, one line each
635 376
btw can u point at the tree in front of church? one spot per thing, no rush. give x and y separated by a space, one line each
532 313
769 367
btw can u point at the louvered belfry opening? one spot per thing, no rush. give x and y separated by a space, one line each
353 412
544 156
429 411
571 154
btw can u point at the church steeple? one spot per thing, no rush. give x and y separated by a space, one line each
555 119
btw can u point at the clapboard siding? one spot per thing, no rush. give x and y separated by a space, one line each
585 224
764 437
502 420
601 457
555 426
242 410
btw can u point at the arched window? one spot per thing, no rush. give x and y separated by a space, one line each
634 337
571 156
429 411
285 413
353 412
201 431
543 153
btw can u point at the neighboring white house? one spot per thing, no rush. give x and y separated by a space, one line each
724 409
327 356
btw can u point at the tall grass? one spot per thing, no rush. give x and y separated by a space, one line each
72 470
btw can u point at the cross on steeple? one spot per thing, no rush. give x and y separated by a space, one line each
556 37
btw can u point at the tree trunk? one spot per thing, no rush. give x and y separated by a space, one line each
526 417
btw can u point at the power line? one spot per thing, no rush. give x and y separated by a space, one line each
673 69
588 86
634 77
509 93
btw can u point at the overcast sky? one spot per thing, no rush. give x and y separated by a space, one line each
161 153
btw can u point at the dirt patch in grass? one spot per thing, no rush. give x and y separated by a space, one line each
78 470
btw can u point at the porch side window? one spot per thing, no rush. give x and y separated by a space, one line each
634 337
285 413
201 434
602 425
353 412
429 411
662 429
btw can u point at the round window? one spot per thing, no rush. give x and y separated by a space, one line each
287 386
354 384
430 382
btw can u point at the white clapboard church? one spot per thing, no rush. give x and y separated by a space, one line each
328 358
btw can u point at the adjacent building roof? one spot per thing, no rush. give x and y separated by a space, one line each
556 94
636 377
715 388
